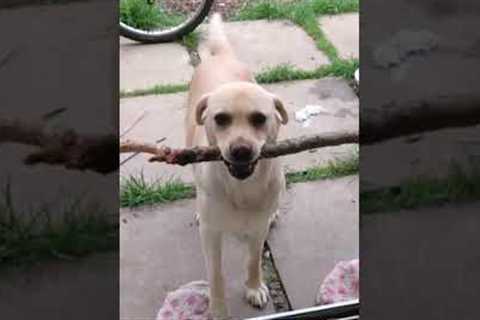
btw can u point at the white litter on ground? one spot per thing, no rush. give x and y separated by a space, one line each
305 115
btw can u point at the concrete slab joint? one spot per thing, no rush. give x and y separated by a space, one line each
342 31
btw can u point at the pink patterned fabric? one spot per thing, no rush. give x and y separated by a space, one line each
341 284
189 302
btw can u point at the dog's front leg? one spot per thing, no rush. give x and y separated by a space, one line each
212 251
256 290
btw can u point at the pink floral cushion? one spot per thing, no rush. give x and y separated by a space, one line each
341 284
189 302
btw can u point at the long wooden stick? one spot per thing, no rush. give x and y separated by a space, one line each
202 154
99 153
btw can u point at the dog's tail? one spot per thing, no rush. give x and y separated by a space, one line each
217 42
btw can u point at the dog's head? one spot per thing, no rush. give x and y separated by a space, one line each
240 118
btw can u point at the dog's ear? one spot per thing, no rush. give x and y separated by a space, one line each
282 113
200 108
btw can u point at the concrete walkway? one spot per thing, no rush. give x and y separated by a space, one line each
160 249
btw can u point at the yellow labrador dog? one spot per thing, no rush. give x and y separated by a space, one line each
240 195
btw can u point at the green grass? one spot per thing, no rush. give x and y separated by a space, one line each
340 68
157 89
136 191
53 231
420 192
307 20
191 40
335 169
322 7
140 14
271 10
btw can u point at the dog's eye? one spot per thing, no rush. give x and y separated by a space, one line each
258 119
222 119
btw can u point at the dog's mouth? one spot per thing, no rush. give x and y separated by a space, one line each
241 171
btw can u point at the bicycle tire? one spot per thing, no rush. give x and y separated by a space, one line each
171 34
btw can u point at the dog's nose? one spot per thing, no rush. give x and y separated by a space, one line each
241 153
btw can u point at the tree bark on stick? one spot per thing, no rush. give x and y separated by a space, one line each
202 154
394 120
67 148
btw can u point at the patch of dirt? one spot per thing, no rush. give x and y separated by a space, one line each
227 8
274 283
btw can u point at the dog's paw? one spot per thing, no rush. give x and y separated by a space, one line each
257 297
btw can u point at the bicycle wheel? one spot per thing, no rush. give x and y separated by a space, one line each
154 21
